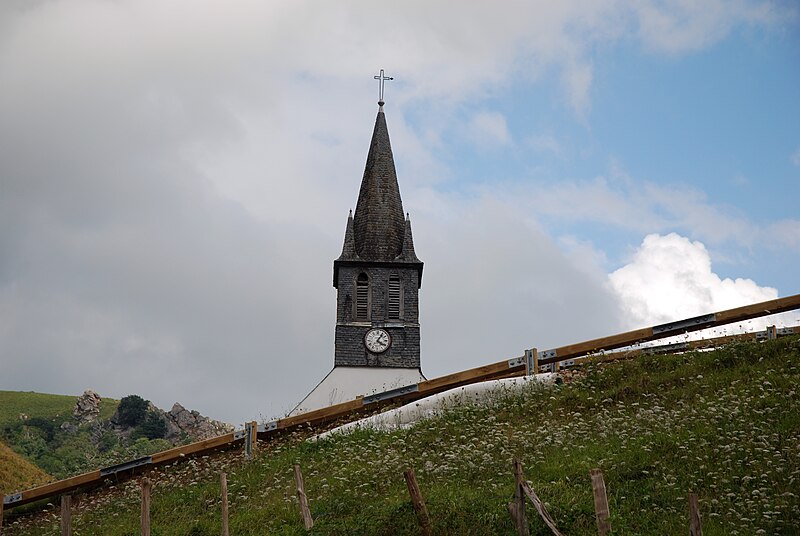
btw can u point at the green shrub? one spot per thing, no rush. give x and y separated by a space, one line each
132 410
153 427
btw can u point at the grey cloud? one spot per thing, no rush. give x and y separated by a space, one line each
174 182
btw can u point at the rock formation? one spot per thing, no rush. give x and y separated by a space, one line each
182 424
182 421
87 407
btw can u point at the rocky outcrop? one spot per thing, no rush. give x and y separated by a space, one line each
181 423
87 407
184 423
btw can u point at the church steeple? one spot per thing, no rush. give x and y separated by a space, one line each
378 275
379 225
377 279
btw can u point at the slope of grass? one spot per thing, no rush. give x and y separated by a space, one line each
17 473
30 424
724 424
56 408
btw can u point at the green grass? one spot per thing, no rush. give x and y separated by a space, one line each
57 408
18 473
724 424
39 439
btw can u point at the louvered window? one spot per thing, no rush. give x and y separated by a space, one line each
362 297
395 297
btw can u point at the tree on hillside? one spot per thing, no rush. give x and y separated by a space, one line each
153 427
132 410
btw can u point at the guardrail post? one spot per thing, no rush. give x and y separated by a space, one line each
772 333
418 502
248 441
531 362
600 502
223 484
146 486
66 515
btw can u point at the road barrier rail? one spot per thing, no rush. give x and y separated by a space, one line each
530 363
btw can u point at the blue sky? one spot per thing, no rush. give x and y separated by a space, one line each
723 121
175 180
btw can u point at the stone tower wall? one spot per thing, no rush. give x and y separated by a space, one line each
349 346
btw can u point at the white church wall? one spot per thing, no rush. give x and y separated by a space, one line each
343 384
425 408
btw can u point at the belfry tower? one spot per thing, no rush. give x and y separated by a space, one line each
377 278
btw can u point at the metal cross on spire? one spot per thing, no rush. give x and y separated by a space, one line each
382 79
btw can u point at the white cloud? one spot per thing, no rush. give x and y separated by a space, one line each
795 158
578 80
642 207
670 278
545 143
676 26
488 129
488 261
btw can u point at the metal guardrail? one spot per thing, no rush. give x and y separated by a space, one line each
517 366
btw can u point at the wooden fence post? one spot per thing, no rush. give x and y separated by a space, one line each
66 515
223 484
695 529
146 487
418 502
539 505
517 506
308 521
600 502
2 499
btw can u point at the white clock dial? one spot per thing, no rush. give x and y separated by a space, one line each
377 340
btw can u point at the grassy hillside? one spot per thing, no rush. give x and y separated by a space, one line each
55 408
30 424
725 424
17 473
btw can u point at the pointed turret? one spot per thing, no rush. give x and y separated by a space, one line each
408 254
349 247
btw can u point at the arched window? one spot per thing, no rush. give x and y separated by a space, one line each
362 297
395 297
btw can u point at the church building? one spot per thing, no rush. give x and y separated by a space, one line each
377 278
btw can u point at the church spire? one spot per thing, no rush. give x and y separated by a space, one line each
379 233
379 226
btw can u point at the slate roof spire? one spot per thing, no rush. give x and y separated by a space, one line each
378 224
380 231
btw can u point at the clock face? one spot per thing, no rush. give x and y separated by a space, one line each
377 341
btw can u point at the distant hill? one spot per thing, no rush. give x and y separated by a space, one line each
55 408
17 473
44 430
41 430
